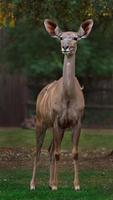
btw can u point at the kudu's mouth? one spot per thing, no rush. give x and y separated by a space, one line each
68 51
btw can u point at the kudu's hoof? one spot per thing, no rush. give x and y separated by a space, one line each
32 186
53 188
77 187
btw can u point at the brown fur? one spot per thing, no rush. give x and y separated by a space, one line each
60 105
52 103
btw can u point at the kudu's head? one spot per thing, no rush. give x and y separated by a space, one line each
68 39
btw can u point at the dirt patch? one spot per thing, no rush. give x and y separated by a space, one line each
23 158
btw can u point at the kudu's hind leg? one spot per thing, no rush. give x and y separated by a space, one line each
75 140
40 134
54 151
53 177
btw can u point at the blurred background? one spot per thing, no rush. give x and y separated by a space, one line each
29 58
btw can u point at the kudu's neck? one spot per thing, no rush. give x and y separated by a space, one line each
69 75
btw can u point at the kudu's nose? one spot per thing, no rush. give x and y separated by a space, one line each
65 47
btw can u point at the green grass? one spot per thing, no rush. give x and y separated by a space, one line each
95 185
90 139
17 138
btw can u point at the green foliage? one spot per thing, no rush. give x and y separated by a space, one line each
28 53
31 51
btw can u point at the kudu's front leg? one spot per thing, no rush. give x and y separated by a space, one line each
40 134
75 140
54 151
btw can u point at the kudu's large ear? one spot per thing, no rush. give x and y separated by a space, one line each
52 28
85 28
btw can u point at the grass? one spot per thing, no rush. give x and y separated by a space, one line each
95 184
90 139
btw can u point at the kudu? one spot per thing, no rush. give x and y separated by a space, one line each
60 105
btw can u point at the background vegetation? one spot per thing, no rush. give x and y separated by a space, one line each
31 51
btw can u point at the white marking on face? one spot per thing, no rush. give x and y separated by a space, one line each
65 50
62 49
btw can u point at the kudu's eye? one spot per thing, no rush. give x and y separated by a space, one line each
75 38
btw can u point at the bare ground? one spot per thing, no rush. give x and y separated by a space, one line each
11 158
